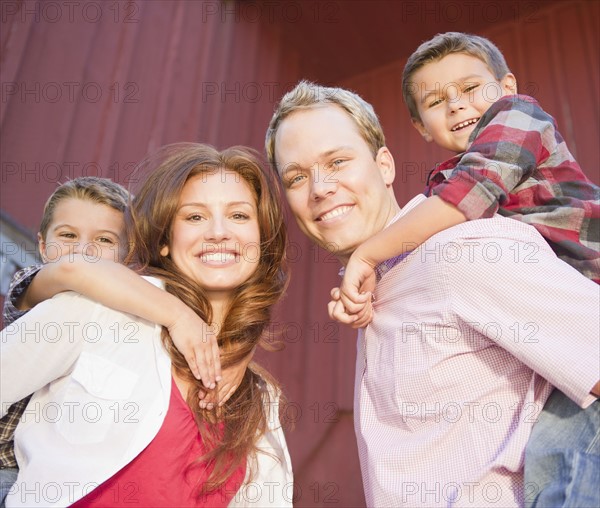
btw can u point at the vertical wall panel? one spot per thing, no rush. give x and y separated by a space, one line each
554 54
196 71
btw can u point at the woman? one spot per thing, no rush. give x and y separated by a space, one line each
112 426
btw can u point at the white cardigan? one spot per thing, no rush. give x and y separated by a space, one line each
101 381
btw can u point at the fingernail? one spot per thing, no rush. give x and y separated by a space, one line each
218 378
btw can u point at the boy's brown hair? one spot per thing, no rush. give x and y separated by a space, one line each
443 45
88 188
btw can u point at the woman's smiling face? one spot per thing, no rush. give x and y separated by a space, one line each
215 235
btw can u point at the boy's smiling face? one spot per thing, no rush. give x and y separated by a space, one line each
452 94
86 227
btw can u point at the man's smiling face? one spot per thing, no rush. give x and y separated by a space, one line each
340 194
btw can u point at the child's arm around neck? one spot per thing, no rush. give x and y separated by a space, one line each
120 288
411 230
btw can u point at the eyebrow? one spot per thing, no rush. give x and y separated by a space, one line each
229 203
69 226
437 89
293 166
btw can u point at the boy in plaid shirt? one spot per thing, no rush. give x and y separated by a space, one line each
510 160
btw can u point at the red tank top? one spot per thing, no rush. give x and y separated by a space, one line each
159 475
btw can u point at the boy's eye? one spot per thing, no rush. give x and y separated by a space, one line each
435 102
67 235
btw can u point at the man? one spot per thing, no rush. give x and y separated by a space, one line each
452 370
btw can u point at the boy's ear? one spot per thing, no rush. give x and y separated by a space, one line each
417 124
385 163
41 246
509 84
164 251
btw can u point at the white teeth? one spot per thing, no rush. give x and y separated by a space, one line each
464 124
219 257
340 210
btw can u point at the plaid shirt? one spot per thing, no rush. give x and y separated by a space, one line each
8 424
519 166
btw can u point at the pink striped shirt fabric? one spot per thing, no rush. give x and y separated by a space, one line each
471 332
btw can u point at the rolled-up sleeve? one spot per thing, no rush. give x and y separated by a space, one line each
41 346
511 139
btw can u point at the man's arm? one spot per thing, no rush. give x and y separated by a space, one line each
120 288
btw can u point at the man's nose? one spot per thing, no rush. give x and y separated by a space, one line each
323 183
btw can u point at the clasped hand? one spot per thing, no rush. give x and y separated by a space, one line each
352 302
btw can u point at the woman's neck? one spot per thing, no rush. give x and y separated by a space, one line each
219 312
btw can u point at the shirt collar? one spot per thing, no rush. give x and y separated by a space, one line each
382 268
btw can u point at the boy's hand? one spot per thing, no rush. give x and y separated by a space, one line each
353 299
197 342
232 377
339 313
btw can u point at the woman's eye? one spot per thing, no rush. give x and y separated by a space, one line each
195 217
298 178
240 216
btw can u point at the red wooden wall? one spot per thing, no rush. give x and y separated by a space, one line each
90 88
